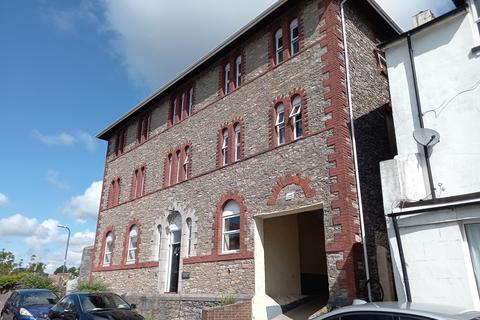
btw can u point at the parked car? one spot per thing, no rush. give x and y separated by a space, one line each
93 306
400 311
28 304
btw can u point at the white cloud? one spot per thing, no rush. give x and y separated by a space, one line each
53 177
45 239
62 138
86 205
3 199
17 225
67 139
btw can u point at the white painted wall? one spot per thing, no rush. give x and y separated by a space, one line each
437 257
445 67
436 252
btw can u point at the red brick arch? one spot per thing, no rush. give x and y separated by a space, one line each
289 179
104 243
126 239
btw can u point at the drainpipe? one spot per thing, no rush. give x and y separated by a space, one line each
402 257
354 151
420 114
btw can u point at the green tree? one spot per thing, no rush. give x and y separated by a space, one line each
7 261
38 281
73 271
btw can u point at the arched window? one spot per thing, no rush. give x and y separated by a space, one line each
280 124
294 37
107 256
296 117
132 244
189 242
238 71
279 46
186 163
226 86
238 144
138 183
231 227
179 165
225 146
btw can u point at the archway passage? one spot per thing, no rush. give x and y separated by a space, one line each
295 258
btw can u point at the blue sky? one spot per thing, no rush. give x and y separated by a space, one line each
69 68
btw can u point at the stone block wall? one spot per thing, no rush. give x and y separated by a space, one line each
317 168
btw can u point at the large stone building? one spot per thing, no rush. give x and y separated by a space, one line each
238 177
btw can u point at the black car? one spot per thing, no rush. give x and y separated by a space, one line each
28 304
93 306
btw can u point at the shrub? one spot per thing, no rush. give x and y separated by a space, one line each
227 299
9 281
94 286
39 282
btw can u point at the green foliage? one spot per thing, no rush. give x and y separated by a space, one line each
38 281
9 281
92 286
6 262
227 299
73 271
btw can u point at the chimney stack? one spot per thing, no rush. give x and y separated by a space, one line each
422 17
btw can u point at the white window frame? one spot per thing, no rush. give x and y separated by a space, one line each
238 141
226 85
225 146
294 40
227 215
186 162
280 125
131 248
179 165
238 71
278 48
474 289
296 116
190 101
170 169
107 256
475 7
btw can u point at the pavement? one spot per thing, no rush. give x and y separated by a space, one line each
304 311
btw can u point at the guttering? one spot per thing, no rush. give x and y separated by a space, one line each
425 208
354 150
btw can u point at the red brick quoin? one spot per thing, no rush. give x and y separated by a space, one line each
303 183
345 214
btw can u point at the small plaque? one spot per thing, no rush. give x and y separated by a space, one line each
185 275
289 196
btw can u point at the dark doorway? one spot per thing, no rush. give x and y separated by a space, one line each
175 267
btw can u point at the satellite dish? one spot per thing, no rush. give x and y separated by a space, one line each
426 137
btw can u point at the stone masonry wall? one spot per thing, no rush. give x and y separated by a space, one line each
370 95
317 167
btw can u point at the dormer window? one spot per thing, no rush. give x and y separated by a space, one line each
279 46
181 106
143 128
294 37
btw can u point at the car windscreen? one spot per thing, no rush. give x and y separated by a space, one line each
93 302
38 298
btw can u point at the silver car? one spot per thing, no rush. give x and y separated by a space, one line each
400 311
